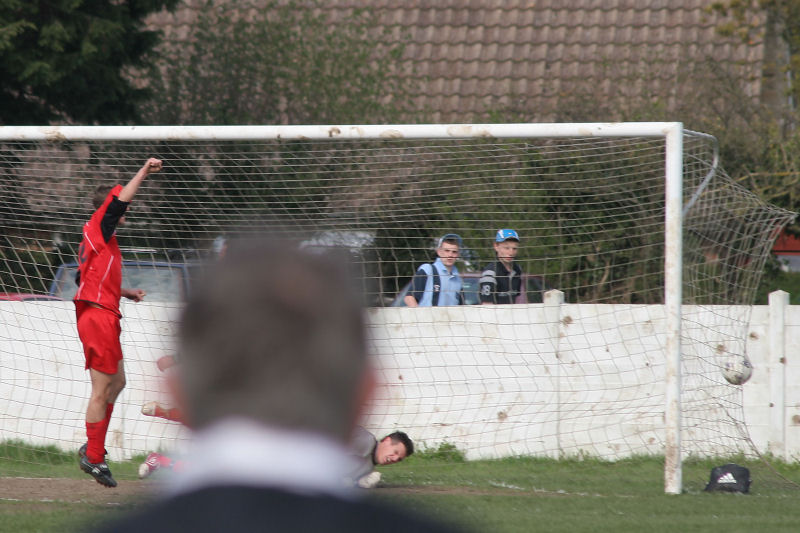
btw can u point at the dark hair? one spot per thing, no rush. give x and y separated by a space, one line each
99 196
450 238
399 436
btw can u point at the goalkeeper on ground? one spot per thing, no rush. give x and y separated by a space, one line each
369 452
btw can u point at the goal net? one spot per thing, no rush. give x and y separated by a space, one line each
583 365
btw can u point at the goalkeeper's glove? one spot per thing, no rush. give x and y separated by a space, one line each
370 480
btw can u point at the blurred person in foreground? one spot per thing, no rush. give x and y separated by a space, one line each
274 374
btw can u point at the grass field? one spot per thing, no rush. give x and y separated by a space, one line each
507 495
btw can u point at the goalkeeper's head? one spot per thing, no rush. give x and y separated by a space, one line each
393 448
275 335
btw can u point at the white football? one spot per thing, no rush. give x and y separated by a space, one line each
737 370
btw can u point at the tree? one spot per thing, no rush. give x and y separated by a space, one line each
773 168
285 63
753 20
66 60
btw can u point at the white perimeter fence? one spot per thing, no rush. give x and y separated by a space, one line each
428 360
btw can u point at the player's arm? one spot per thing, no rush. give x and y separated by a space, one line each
410 301
119 204
129 191
137 295
114 211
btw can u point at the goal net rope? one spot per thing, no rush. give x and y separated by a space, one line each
578 368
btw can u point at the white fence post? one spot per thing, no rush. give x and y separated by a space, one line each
673 297
553 300
776 367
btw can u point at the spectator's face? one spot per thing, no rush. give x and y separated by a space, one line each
448 253
506 251
388 452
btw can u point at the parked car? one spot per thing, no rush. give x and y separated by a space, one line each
162 281
532 290
356 248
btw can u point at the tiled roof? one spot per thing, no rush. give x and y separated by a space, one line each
472 57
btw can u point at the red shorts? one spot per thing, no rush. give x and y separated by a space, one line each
99 331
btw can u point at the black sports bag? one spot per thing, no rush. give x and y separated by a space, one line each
729 478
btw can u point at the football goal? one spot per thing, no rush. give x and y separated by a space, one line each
641 258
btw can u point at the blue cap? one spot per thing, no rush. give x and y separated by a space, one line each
452 236
505 235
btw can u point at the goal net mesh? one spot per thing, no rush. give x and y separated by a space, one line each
570 373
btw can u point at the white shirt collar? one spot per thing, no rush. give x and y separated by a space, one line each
242 452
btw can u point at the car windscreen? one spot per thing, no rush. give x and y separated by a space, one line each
162 283
470 288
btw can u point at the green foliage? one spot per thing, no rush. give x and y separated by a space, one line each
66 60
759 147
776 279
26 266
767 157
774 171
285 63
752 21
18 458
282 64
602 221
445 452
16 450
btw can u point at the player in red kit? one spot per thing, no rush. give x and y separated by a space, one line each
99 281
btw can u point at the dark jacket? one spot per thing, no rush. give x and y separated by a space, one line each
498 285
238 508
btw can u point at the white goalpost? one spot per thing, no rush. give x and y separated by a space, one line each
641 256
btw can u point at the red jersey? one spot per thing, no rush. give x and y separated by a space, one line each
100 268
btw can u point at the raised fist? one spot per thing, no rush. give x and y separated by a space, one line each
153 165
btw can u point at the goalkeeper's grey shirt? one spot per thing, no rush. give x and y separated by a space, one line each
362 446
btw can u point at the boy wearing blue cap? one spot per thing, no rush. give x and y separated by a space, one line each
501 279
438 283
